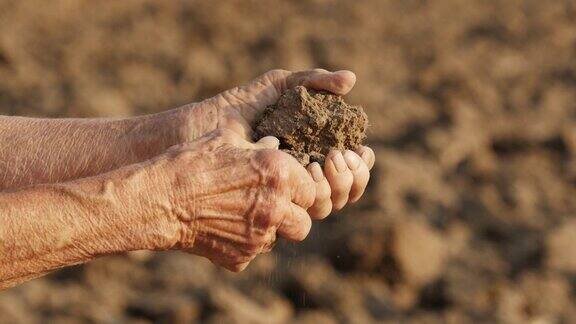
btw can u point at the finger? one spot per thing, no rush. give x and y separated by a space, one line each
367 155
360 173
227 136
303 77
340 178
296 224
288 176
322 204
340 82
268 142
302 186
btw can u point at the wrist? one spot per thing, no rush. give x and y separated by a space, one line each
119 211
141 203
194 120
151 135
161 226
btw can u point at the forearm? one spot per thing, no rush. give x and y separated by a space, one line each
52 226
34 151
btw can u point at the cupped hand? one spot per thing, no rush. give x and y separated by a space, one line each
238 108
343 180
345 174
232 197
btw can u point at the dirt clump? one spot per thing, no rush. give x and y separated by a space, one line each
310 123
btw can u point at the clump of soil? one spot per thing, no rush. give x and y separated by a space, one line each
310 123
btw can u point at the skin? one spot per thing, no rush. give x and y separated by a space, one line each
187 179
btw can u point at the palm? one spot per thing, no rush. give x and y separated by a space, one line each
343 177
239 107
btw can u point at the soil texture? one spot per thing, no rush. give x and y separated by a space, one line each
310 123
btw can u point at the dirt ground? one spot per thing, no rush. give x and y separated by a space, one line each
470 214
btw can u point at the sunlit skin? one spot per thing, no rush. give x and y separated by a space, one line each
187 179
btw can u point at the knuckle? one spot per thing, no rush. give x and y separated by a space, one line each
337 192
272 214
274 165
332 155
266 220
275 73
344 185
277 77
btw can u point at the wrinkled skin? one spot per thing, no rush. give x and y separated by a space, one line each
243 195
345 174
188 179
343 179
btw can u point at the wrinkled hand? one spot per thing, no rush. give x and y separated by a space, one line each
232 197
345 174
244 193
238 108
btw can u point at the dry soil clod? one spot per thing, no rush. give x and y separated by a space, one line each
310 123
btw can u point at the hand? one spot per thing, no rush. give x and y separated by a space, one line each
231 197
238 108
220 196
345 174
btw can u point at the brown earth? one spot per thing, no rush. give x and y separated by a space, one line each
310 123
469 215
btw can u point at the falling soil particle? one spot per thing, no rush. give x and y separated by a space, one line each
310 123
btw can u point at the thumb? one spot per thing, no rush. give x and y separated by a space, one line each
268 142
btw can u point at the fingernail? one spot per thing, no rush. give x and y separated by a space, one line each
365 156
348 74
339 162
275 140
352 159
316 172
269 141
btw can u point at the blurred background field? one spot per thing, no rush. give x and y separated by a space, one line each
470 214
